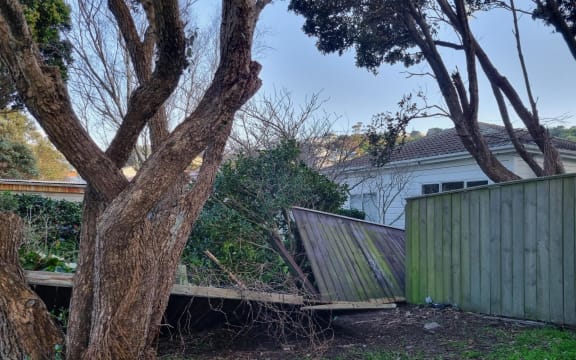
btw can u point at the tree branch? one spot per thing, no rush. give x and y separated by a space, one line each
235 81
47 99
518 146
154 89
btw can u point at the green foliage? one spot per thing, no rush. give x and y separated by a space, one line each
388 130
16 161
54 230
47 19
45 161
38 261
376 29
249 204
276 179
353 213
563 132
561 14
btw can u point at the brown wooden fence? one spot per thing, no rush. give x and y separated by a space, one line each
505 249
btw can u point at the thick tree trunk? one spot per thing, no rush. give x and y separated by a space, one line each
80 319
134 231
26 328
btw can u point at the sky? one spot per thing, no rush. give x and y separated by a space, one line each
291 61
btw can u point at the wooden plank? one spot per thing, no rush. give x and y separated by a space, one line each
475 254
349 306
543 251
569 249
447 249
412 250
500 213
556 277
438 292
456 255
385 282
422 251
530 251
518 246
465 265
235 294
506 271
330 263
342 257
316 251
430 251
484 239
46 278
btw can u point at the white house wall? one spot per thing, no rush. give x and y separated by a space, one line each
524 171
421 173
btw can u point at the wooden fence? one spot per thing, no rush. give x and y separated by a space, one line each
504 249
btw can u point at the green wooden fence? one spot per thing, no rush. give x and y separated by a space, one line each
505 249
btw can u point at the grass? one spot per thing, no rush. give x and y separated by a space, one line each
534 344
538 344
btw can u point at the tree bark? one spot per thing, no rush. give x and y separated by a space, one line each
463 111
26 328
134 232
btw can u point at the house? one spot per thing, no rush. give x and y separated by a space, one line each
432 164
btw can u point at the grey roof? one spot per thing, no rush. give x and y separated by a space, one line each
448 142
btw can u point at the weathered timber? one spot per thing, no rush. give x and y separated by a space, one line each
350 306
352 260
506 249
46 278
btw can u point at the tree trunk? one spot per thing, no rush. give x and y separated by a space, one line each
26 328
80 319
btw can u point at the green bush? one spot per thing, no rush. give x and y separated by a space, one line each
53 230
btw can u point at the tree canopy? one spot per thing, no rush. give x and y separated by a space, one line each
560 14
29 155
408 32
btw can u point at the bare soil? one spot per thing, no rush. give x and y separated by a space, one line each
404 330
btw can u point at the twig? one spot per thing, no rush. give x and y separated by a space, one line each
223 268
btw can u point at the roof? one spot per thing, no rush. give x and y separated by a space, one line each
351 259
448 142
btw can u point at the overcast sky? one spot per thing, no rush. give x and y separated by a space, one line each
291 61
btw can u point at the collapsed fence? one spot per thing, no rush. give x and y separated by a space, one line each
505 249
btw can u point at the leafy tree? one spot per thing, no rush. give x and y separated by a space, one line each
39 156
133 232
407 32
51 164
560 14
16 161
249 207
564 133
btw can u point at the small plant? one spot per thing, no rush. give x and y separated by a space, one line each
38 261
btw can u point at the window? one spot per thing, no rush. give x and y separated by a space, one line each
449 186
470 184
430 189
367 203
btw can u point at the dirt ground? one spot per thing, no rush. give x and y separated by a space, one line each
422 332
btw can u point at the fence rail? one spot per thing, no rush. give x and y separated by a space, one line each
505 249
